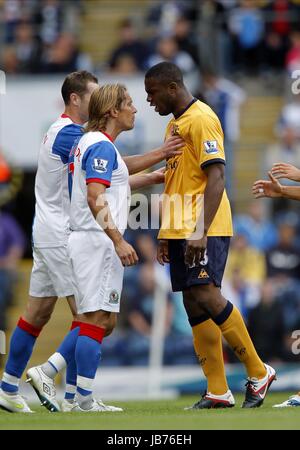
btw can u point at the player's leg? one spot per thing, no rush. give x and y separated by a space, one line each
59 273
233 328
65 356
35 317
88 353
207 337
99 281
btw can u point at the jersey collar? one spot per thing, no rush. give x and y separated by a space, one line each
185 109
108 136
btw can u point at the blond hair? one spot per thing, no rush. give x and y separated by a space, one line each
103 100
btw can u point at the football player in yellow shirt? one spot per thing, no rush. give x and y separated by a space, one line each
195 235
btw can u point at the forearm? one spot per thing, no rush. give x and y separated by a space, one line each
212 198
101 212
140 181
291 192
138 163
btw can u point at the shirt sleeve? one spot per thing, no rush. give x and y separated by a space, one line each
65 140
208 141
98 162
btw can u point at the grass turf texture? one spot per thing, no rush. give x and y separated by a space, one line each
161 415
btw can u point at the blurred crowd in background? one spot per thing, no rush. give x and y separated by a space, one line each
224 42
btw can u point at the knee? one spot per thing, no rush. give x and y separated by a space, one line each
38 318
110 325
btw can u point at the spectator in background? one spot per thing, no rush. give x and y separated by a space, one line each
247 26
27 50
140 312
164 14
250 261
292 61
48 19
12 244
167 50
64 56
129 45
260 232
186 39
279 14
287 149
214 40
125 65
289 117
266 324
244 274
284 258
15 11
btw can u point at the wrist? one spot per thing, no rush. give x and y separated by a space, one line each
283 192
117 239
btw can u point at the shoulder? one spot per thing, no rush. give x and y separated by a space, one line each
203 117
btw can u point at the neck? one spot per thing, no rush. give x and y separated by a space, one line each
183 100
113 130
74 115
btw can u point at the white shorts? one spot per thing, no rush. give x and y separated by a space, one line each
51 274
97 270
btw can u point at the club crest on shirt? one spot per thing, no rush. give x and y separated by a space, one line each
211 147
175 130
100 165
114 297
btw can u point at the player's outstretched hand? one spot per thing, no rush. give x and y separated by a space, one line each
195 251
264 188
158 176
163 252
126 253
284 170
172 146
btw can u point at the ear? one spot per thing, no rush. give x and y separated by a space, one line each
75 99
172 88
114 113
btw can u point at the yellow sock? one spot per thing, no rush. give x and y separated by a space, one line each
208 348
236 334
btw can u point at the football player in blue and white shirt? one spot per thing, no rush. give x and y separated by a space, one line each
99 209
51 276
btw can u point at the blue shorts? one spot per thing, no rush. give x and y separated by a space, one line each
210 270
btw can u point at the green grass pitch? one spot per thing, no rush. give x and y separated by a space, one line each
161 415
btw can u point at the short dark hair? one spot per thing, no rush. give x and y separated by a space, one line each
76 82
166 72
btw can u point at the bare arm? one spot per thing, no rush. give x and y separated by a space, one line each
138 163
147 179
101 212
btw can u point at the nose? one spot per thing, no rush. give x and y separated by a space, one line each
149 98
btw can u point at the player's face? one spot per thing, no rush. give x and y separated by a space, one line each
159 97
126 115
85 100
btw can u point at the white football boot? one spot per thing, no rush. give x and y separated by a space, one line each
257 389
294 400
212 401
98 406
13 403
44 388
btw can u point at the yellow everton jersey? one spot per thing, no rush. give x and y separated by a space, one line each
185 180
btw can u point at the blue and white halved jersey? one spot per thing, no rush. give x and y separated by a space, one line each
97 160
52 210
